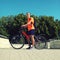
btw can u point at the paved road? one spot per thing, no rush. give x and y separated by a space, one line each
8 53
23 54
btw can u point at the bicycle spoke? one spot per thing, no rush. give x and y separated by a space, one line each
17 42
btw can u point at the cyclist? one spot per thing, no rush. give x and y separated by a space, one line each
31 29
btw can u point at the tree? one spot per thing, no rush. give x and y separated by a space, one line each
45 25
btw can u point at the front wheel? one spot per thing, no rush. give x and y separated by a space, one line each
40 42
17 42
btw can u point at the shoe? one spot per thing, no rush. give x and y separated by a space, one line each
32 47
28 47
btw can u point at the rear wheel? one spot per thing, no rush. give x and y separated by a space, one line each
40 42
17 42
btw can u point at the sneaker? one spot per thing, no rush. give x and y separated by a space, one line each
30 48
33 47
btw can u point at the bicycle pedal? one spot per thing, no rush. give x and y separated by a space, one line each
39 38
13 37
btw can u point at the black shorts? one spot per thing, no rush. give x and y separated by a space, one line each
31 32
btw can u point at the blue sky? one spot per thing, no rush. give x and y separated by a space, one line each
36 7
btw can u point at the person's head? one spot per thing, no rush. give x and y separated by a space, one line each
28 15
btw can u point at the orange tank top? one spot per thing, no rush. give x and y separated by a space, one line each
31 25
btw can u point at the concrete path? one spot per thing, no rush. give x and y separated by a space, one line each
34 54
8 53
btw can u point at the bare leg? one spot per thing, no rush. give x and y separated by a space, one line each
29 44
33 40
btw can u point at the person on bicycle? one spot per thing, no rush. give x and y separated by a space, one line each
31 29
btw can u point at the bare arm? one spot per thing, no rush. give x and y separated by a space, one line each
25 25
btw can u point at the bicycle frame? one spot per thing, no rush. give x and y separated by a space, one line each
18 43
26 35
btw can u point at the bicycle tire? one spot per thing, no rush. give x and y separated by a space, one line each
40 42
17 42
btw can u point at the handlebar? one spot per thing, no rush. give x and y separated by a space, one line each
21 29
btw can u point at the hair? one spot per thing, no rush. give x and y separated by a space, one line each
28 12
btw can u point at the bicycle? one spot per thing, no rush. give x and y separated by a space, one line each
18 41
